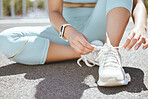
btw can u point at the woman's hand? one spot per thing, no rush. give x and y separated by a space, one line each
79 42
136 37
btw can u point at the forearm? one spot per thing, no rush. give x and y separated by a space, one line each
57 20
140 15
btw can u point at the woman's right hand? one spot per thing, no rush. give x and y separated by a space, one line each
79 42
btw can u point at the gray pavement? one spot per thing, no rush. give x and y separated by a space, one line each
66 80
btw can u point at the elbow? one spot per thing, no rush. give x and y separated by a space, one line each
53 14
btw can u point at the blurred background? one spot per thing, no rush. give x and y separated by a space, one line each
27 9
146 4
23 9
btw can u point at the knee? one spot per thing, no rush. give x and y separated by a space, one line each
6 37
6 41
3 44
6 31
12 34
3 40
119 12
127 4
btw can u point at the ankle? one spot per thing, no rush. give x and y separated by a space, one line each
114 45
105 44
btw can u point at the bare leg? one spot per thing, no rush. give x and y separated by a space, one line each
58 52
117 20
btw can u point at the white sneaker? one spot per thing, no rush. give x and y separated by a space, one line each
90 59
108 58
111 72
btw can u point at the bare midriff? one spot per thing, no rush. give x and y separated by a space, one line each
76 5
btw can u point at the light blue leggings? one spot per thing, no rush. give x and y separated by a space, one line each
89 21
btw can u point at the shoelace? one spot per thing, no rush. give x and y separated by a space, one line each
99 51
87 60
109 54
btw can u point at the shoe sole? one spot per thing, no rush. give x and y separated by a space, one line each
113 82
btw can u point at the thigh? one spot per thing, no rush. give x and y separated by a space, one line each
95 27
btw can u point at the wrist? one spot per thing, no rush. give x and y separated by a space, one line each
142 28
69 30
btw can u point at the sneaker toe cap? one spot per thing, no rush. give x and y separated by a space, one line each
108 73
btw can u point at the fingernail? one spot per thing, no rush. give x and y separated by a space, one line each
93 46
94 50
127 49
136 47
144 48
123 47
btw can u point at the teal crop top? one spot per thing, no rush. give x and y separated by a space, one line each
81 1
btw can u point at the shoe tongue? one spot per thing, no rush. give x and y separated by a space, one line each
111 58
108 43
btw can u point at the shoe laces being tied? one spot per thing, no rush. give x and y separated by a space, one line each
106 56
90 59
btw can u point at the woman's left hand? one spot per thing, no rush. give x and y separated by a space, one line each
136 37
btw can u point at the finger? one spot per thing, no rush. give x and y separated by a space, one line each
145 39
86 38
83 50
145 45
128 40
86 44
131 35
76 49
133 42
141 40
